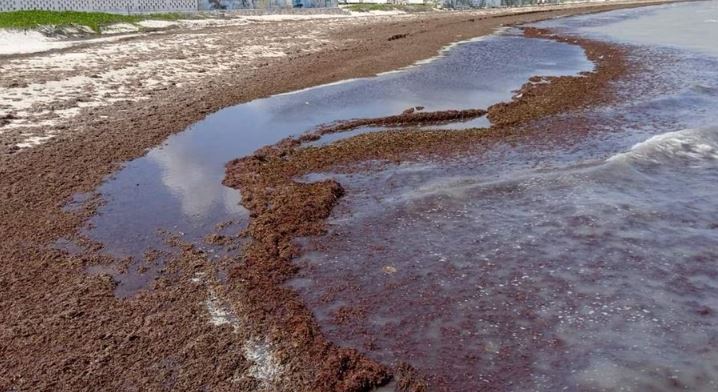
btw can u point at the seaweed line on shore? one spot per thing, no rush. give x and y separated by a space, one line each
283 209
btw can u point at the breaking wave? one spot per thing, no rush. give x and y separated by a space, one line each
688 147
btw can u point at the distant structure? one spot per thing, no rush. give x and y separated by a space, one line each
263 4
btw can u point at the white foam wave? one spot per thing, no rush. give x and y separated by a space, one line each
689 146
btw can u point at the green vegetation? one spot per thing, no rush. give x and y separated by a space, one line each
94 20
366 7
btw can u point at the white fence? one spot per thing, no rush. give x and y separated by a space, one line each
143 6
123 6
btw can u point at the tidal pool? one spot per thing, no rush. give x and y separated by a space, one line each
177 186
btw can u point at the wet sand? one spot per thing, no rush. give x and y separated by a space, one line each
64 329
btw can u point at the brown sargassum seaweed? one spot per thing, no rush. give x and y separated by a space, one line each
283 209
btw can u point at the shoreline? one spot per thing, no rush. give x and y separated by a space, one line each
284 210
90 337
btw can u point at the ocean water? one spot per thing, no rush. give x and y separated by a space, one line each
587 265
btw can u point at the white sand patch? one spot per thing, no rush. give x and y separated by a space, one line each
257 51
120 28
112 73
157 24
16 42
95 85
348 14
377 13
34 141
265 366
31 41
201 23
289 17
218 313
